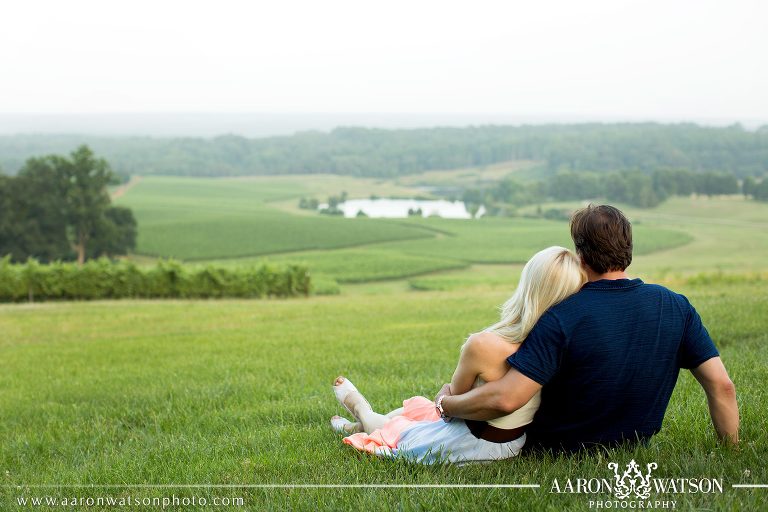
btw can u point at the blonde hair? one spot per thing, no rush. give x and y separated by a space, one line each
550 276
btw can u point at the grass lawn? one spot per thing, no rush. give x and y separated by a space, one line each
360 264
238 392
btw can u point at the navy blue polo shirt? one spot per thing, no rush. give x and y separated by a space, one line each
608 358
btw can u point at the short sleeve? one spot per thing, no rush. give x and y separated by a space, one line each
696 346
540 354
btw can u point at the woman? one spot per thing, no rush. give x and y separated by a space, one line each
416 432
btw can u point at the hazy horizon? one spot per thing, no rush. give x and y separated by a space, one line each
266 124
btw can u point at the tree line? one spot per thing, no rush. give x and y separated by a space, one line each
592 147
755 189
58 208
628 187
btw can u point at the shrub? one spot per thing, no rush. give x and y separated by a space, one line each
104 279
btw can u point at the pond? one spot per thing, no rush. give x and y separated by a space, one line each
399 208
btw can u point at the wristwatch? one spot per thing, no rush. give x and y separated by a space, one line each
439 407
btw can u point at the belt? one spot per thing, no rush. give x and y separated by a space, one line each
487 432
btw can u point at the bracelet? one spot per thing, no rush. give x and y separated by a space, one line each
439 406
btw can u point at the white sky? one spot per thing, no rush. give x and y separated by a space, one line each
662 59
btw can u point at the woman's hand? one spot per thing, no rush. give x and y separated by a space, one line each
444 391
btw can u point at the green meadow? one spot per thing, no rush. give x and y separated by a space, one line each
198 219
236 393
242 220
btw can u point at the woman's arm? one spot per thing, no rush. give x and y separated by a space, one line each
494 399
475 356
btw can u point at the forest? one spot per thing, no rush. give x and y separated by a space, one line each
597 148
629 187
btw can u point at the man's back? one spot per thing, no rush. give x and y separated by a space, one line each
608 359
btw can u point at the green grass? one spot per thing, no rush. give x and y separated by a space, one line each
196 219
470 177
496 277
515 240
729 235
238 392
726 234
364 264
454 244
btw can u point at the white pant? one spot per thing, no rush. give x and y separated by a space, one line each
431 442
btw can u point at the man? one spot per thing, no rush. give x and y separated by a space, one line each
606 358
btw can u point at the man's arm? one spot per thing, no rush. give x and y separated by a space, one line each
721 397
491 400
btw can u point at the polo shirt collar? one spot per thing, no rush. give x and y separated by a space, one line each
612 284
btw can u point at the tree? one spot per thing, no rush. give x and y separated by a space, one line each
760 191
640 190
672 182
748 186
575 185
616 188
712 183
7 215
114 234
87 197
38 197
634 188
58 208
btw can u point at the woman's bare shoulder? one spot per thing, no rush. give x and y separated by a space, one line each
489 343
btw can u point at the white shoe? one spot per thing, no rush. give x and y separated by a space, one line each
343 390
342 425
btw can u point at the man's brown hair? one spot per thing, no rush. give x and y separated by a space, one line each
603 238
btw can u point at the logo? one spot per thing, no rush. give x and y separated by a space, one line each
633 486
632 481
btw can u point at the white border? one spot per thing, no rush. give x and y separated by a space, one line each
280 486
306 486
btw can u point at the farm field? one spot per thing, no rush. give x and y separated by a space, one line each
238 392
360 264
728 235
487 277
501 240
469 177
242 220
194 219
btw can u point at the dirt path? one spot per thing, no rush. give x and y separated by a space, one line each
122 189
